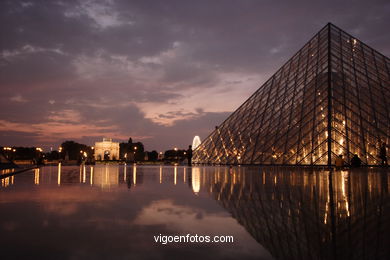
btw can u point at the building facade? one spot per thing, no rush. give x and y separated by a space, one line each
106 150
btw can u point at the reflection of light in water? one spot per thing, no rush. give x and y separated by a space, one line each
195 180
7 181
327 206
91 177
160 174
84 174
124 172
196 142
59 175
107 175
344 178
81 172
175 175
184 175
134 174
36 176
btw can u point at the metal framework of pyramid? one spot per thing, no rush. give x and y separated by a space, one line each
332 97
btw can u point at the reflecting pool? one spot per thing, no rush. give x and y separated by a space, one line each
117 212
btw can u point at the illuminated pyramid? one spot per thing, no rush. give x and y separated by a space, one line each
332 97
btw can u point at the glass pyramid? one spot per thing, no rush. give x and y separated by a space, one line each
332 97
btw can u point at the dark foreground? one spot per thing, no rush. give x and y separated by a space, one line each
114 212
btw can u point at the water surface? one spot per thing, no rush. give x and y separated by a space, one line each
114 211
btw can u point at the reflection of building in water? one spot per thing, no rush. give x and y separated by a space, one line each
305 214
105 176
106 150
7 181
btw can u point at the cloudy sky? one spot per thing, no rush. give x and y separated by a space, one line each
157 71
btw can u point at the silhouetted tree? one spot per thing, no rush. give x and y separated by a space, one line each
136 149
24 153
73 150
175 155
53 155
153 156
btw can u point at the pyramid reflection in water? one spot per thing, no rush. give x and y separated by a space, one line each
332 97
307 213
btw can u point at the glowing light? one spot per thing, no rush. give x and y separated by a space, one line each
196 142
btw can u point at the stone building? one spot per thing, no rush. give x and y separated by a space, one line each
106 150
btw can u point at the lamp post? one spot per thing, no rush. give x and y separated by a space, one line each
39 159
175 149
59 153
135 150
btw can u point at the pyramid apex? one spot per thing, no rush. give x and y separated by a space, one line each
329 24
